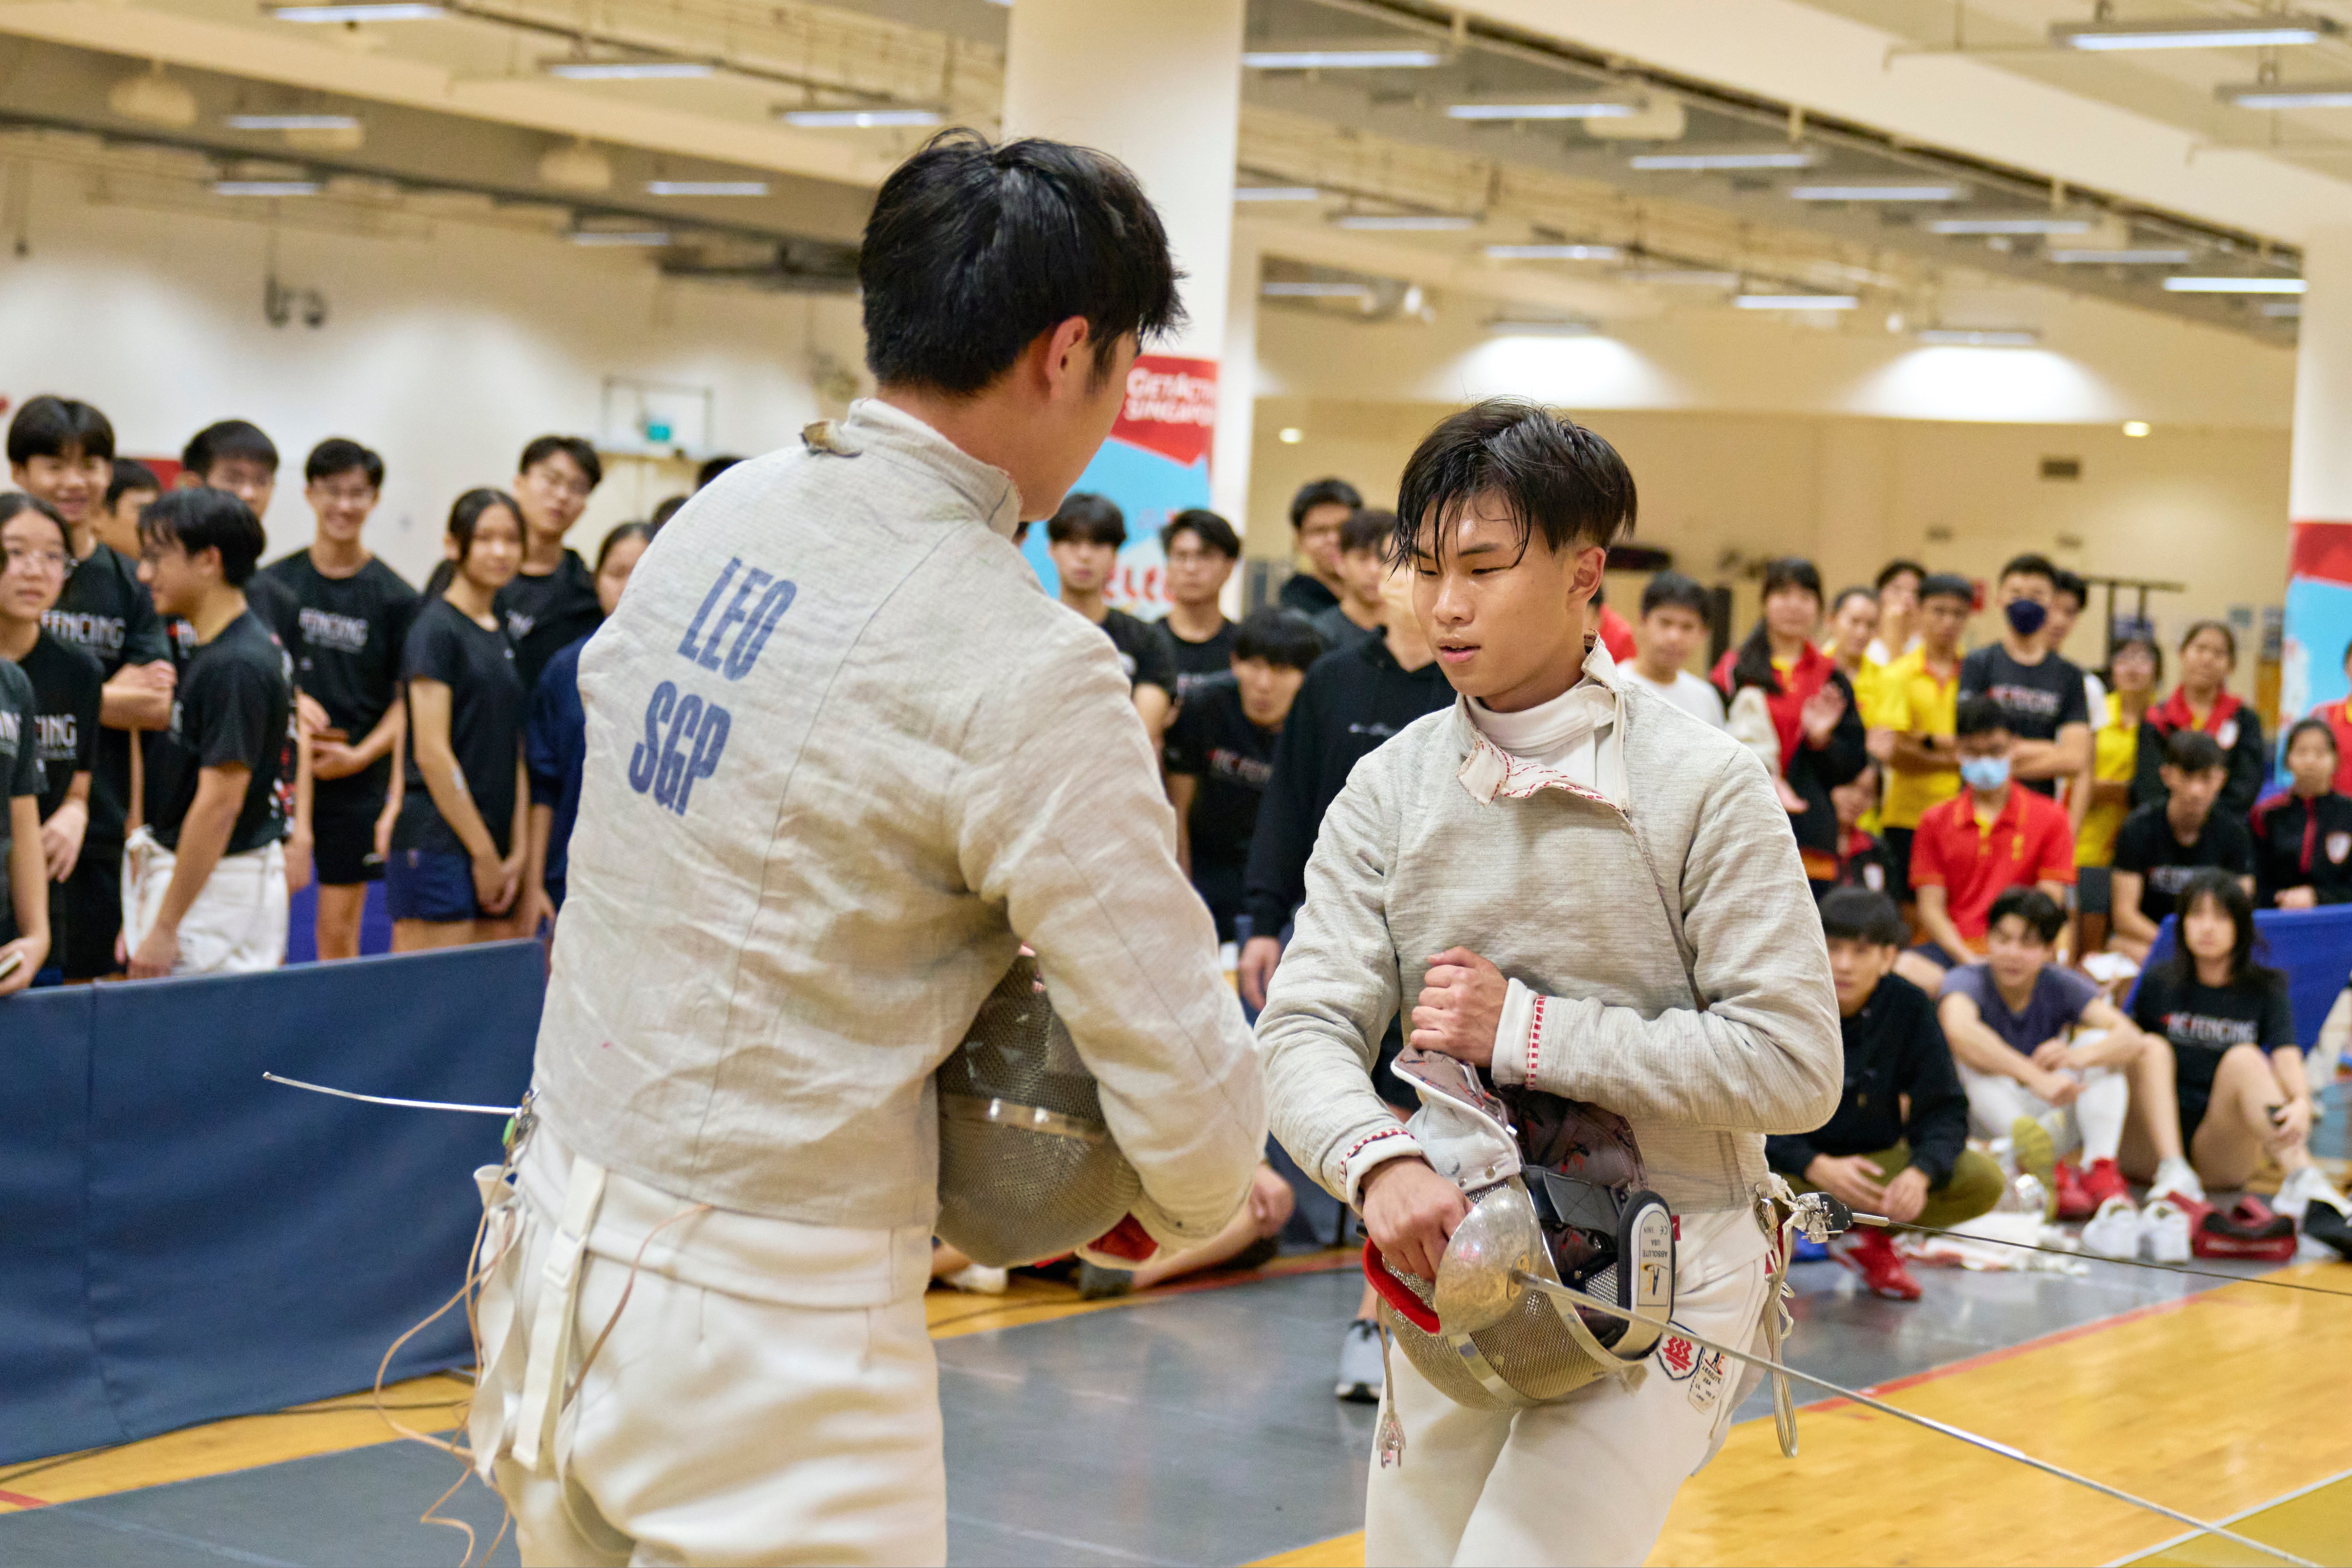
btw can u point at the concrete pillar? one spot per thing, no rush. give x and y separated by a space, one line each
2319 490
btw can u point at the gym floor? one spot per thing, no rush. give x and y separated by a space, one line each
1196 1424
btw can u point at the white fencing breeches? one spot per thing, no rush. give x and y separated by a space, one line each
1589 1478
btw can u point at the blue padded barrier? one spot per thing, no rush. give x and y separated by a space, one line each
2314 948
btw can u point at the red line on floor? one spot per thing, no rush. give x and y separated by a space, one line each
21 1501
2005 1352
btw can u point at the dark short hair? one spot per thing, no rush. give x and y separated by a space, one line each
667 508
620 535
1278 636
579 448
1322 492
2193 752
51 427
973 249
713 468
2303 727
1856 592
201 519
1977 716
1857 914
1948 586
1895 568
1366 528
1558 478
1088 519
2030 564
1213 531
15 503
338 455
2037 909
130 475
226 439
2198 628
2071 584
1671 590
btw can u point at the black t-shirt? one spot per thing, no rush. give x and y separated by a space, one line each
106 612
2203 1021
1214 741
1338 631
346 634
2145 844
487 707
20 769
1141 651
235 701
1195 662
544 615
67 684
2038 698
1306 595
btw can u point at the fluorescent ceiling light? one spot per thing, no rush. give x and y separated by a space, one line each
1538 110
2282 95
265 187
1276 194
1878 193
858 119
1789 158
1372 58
1405 220
293 122
2196 33
1696 277
1316 291
618 236
361 11
629 70
2149 257
1980 337
1796 301
2011 226
2233 285
1554 252
706 187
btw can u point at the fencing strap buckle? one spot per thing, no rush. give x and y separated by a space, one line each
550 1366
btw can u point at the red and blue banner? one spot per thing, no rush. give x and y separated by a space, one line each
2318 619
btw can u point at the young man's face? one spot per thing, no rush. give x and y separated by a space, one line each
2065 610
1855 623
1942 619
177 580
1361 573
2015 951
1900 596
1318 535
1196 572
2193 794
2025 586
1266 689
120 526
1503 615
74 482
33 572
1396 600
552 493
1668 634
249 480
341 502
1856 966
1086 564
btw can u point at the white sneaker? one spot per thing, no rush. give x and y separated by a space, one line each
2300 1191
1361 1370
2177 1175
978 1280
2164 1231
2114 1231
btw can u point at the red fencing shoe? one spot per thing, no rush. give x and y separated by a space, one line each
2102 1181
2074 1199
1869 1253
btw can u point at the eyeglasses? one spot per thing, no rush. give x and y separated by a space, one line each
40 562
559 485
364 495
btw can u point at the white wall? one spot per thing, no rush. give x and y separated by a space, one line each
444 353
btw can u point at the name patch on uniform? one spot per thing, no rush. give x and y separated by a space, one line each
684 738
730 645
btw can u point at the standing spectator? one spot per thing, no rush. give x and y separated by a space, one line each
2201 702
2134 671
1898 1143
2068 595
555 739
32 564
2165 843
551 602
1363 568
1900 584
1220 751
35 553
349 620
2339 720
1612 630
2302 835
2039 692
711 468
1991 837
1920 696
1674 619
1201 549
204 886
1852 627
1084 536
463 834
133 485
62 452
1862 859
1317 514
1815 731
235 455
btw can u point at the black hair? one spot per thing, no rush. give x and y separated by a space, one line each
1673 590
1977 716
1556 477
1754 665
2140 636
2197 629
1944 586
2225 890
465 515
1322 492
336 455
1213 531
2037 909
1895 568
1857 914
2071 584
667 508
620 534
713 468
1278 636
1837 602
974 249
2302 726
2030 564
1087 518
227 438
201 519
15 503
1366 528
2193 752
579 448
51 427
130 475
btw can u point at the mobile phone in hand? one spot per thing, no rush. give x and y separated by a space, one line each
11 963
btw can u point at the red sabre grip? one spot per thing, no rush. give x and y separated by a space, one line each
1126 1239
1392 1290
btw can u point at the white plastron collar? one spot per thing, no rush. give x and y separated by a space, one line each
1581 730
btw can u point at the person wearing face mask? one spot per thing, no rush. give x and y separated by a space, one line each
2208 652
2302 835
2166 842
2134 671
2039 692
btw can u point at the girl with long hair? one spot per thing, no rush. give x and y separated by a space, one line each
2302 835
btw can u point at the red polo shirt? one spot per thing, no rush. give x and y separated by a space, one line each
2031 841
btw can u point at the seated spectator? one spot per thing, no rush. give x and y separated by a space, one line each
1991 837
2234 1068
1249 1240
2135 669
1084 538
1918 698
1221 751
2164 843
35 554
2302 835
1862 859
1201 549
1317 512
1897 1145
1363 567
133 485
1674 623
2203 704
2013 1021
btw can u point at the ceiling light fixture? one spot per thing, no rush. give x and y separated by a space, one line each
265 187
2135 428
2147 257
1540 110
362 11
1276 194
857 119
2283 95
1285 290
2009 226
1693 276
706 187
1878 193
1542 327
618 236
1357 58
1980 337
1404 221
1792 158
1554 252
629 70
293 122
2196 33
1796 301
2233 285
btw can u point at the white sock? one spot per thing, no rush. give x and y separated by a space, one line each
2100 1110
2178 1175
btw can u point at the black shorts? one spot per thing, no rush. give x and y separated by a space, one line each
343 848
92 908
2194 1102
1899 859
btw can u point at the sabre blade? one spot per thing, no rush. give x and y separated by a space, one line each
401 1104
